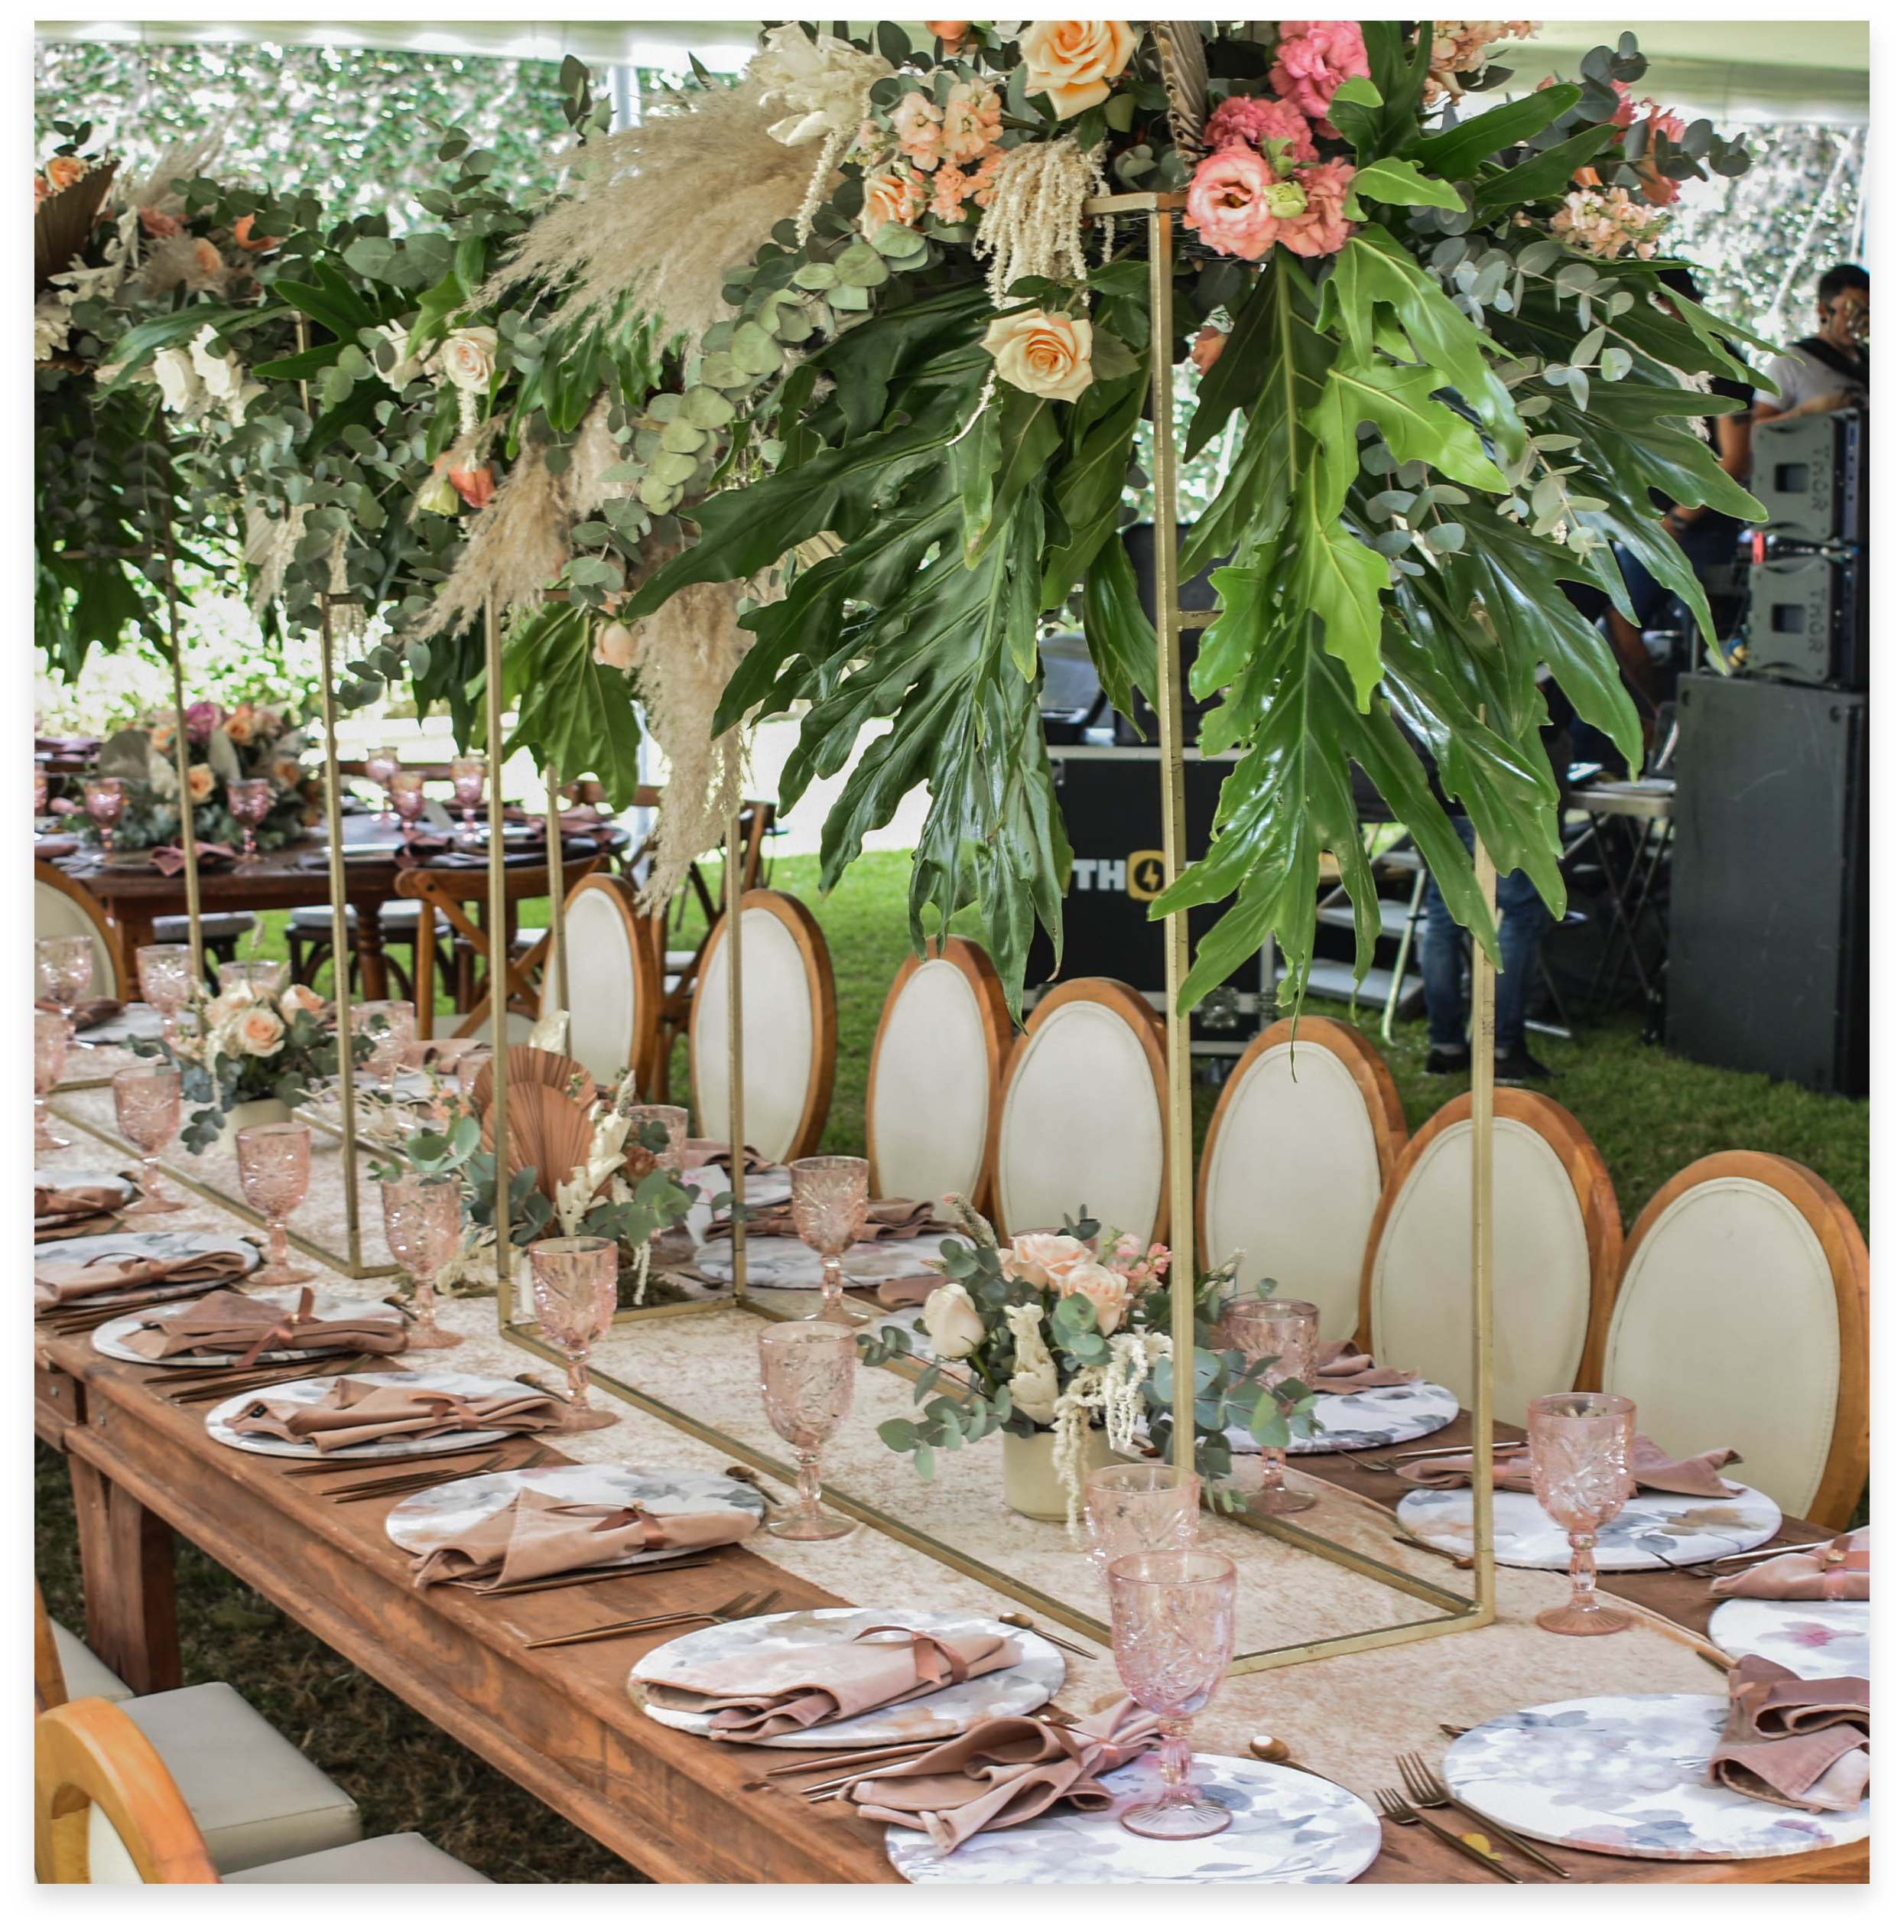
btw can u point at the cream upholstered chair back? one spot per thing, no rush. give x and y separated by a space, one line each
788 1028
934 1078
1556 1251
1306 1130
63 907
1079 1121
614 984
1743 1317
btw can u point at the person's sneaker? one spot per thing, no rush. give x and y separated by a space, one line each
1447 1060
1515 1067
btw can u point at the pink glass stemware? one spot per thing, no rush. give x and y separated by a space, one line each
266 978
274 1170
574 1282
806 1384
65 966
422 1225
674 1244
1582 1446
165 980
106 806
1283 1333
1132 1508
49 1069
148 1101
466 777
40 789
829 1209
1173 1628
379 767
406 794
248 800
391 1025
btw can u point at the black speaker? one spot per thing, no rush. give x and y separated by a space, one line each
1809 472
1771 883
1807 621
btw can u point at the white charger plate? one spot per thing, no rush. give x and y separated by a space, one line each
1810 1640
217 1424
1037 1678
1290 1827
1367 1419
779 1261
110 1338
1627 1775
1654 1531
421 1523
138 1022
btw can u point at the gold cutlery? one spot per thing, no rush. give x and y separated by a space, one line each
1396 1810
838 1761
1454 1730
1428 1791
1712 1565
576 1579
748 1604
361 1487
1019 1621
1386 1465
1416 1542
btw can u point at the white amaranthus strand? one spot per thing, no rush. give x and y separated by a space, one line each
641 1273
1034 224
1124 1378
1070 1424
831 150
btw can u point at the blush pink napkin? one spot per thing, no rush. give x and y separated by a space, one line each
908 1290
765 1693
1801 1741
1341 1368
170 859
535 1534
63 1211
225 1323
351 1412
717 1153
1840 1572
1005 1770
1653 1469
883 1220
56 1282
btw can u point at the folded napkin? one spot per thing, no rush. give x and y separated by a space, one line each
883 1220
763 1694
1840 1572
1801 1741
58 1211
351 1412
170 859
54 848
1341 1368
1653 1469
908 1290
58 1282
1004 1771
225 1323
538 1535
88 1013
718 1153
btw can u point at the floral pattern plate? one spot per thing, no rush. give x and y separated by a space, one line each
1811 1640
1038 1675
1368 1419
1654 1531
68 1177
766 1189
138 1022
779 1261
1290 1828
110 1337
1627 1775
421 1523
218 1423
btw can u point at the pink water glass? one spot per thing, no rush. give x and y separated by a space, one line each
65 968
1582 1446
266 978
380 766
806 1384
274 1170
248 800
49 1069
148 1100
829 1209
391 1025
165 982
573 1279
406 794
105 806
1173 1629
1133 1507
1277 1339
422 1227
466 779
469 1069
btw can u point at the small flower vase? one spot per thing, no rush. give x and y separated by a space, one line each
248 1113
1032 1484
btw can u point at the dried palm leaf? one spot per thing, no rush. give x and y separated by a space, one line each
1186 72
548 1131
529 1066
62 222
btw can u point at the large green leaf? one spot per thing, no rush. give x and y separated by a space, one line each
573 714
1456 155
1400 402
1546 174
1121 642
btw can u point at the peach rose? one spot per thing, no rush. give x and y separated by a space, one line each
62 170
200 780
892 193
1044 355
1072 63
1227 207
949 33
237 727
617 646
299 998
252 244
259 1031
40 191
1249 118
1315 58
1104 1288
158 224
1208 347
1043 1260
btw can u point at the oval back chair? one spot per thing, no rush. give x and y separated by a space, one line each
614 982
1306 1130
1743 1317
63 907
1079 1121
1556 1251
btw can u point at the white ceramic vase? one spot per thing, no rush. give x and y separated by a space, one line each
248 1113
1031 1487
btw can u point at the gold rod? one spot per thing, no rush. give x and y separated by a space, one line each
498 957
556 972
182 761
1482 1408
735 894
340 930
1179 1184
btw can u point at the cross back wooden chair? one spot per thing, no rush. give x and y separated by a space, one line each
1079 1121
614 979
1743 1317
789 1028
62 907
932 1083
1306 1130
1556 1251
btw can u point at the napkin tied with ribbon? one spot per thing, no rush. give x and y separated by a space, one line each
170 859
535 1534
1005 1771
1840 1572
765 1693
56 1283
1342 1368
224 1323
719 1154
897 1220
88 1013
1800 1742
350 1412
1651 1469
58 1211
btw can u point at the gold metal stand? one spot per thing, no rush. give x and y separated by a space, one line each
735 882
340 949
499 956
182 760
555 973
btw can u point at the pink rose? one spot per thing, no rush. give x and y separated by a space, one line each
1318 226
1208 347
1247 118
259 1031
1227 204
159 225
1314 59
1104 1288
62 170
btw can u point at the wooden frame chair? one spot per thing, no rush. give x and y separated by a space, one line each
1743 1316
1080 1098
614 979
89 1753
942 1083
1547 1285
782 1125
1306 1130
112 972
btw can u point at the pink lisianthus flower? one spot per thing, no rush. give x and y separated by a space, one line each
1319 227
1248 118
1315 56
1226 203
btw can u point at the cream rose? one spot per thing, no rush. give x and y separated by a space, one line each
259 1031
1073 62
299 998
952 1324
895 194
183 392
617 644
1044 355
1104 1288
1043 1260
469 357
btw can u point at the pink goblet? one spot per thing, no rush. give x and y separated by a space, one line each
1583 1448
574 1281
406 794
423 1224
829 1209
1173 1628
106 806
274 1169
379 767
391 1025
466 777
49 1069
39 786
806 1384
1277 1339
165 979
65 966
148 1100
266 978
1134 1507
248 800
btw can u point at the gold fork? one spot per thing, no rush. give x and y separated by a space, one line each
748 1604
1397 1810
1427 1791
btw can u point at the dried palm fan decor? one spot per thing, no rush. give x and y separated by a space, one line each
63 221
1186 72
529 1066
548 1131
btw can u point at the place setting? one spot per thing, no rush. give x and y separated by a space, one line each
78 1282
70 1202
1807 1609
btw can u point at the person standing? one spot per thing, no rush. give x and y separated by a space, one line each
1829 370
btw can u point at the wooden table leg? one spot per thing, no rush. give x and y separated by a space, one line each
126 1568
370 948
